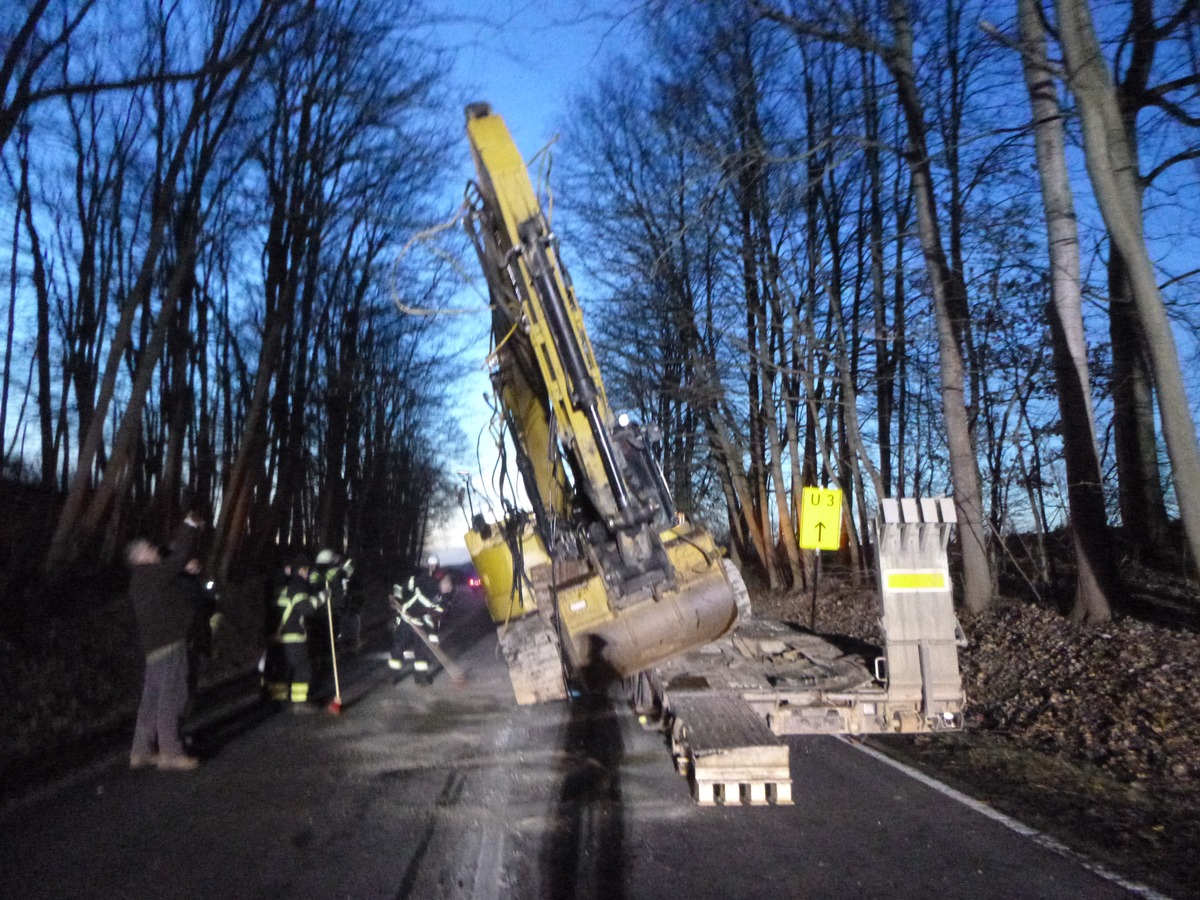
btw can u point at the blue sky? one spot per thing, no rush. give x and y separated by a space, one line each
527 58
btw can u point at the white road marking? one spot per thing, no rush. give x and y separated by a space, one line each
1020 828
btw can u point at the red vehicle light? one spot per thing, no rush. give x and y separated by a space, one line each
474 581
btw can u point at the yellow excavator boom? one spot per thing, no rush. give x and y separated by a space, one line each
616 582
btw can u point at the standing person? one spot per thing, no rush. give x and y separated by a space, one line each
288 666
421 602
329 579
320 652
328 576
163 615
329 582
271 663
200 630
349 633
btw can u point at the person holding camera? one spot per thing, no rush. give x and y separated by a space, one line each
164 614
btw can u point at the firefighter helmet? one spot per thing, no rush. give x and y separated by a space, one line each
326 558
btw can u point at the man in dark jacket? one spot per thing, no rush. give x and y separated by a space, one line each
200 632
163 616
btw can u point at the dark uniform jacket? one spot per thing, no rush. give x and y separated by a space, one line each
203 606
332 580
422 603
293 606
161 608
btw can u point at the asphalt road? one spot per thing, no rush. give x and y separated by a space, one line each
456 792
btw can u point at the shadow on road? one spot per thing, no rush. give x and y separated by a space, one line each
584 851
218 713
226 711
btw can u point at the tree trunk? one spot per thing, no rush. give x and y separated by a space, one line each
10 322
1142 501
1113 176
42 292
239 491
753 244
1140 489
1097 579
120 465
885 369
964 468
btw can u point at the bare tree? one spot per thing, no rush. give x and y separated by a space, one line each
1113 174
42 293
38 39
662 176
340 161
1096 577
83 511
946 286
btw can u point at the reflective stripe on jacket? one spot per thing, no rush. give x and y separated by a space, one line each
295 606
419 609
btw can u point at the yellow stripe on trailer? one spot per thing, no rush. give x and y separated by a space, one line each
914 581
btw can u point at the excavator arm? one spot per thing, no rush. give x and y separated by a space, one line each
615 582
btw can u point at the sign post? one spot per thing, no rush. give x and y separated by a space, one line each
820 529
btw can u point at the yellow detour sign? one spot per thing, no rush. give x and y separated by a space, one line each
821 519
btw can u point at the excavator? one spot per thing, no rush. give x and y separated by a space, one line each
604 581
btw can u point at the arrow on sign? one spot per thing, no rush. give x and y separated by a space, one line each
821 519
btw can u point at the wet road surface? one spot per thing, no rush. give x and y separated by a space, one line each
456 792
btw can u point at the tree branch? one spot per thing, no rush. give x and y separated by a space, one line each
1182 156
1174 110
856 38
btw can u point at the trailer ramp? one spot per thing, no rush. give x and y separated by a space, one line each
726 749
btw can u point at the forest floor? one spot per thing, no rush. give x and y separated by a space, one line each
1090 734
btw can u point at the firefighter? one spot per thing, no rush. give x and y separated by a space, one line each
419 603
328 577
331 577
327 584
289 668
